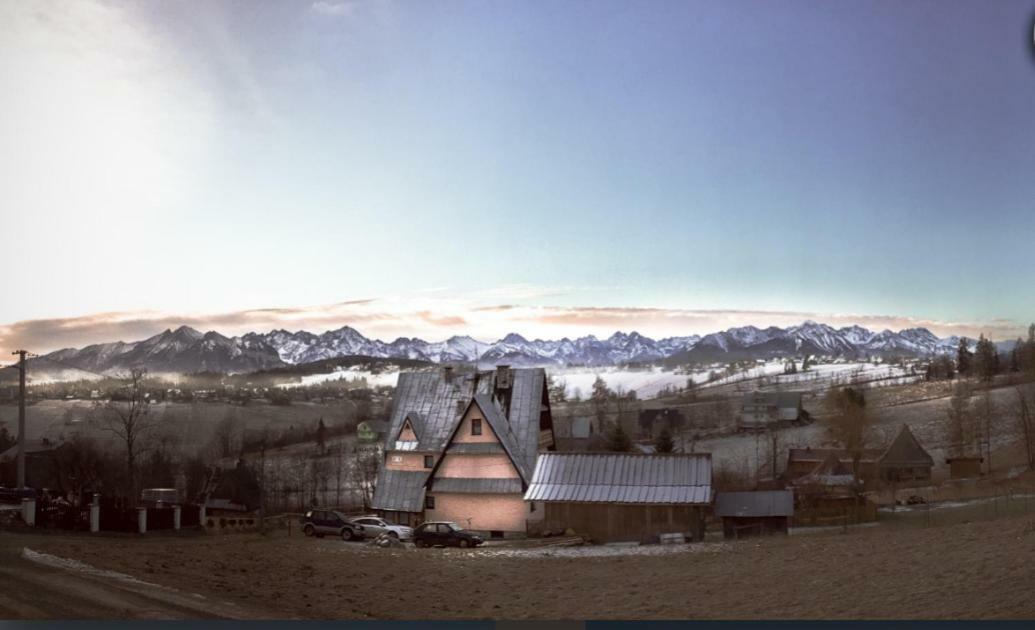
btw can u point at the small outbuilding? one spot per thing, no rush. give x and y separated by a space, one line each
756 513
611 497
964 466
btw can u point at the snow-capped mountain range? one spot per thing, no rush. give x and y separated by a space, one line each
186 350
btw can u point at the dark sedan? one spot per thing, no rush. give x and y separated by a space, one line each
445 534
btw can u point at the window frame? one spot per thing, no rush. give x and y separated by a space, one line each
476 426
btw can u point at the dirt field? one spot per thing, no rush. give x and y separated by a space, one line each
971 570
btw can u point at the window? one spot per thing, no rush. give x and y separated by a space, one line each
429 502
531 506
397 459
476 426
429 461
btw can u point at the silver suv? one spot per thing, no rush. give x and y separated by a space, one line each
322 523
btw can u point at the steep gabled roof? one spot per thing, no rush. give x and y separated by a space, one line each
416 424
500 428
905 450
504 433
439 398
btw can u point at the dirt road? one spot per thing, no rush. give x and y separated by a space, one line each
38 586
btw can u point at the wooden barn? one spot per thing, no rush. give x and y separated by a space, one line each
612 497
756 513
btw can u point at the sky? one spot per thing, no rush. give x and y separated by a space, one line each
555 168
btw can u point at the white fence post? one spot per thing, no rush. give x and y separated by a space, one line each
29 512
95 514
142 520
176 517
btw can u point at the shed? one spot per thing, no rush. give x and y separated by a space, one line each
964 466
754 513
622 496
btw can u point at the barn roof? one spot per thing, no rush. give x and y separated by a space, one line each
905 450
622 478
766 503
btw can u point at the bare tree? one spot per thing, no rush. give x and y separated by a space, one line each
339 470
1026 425
961 432
228 433
364 472
849 422
126 417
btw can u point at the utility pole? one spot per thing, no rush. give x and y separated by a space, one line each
21 416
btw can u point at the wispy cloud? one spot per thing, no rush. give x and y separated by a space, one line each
341 8
438 318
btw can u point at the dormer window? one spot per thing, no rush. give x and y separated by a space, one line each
476 426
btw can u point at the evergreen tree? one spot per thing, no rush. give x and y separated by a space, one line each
964 358
321 435
600 398
1015 355
984 361
6 439
664 443
618 440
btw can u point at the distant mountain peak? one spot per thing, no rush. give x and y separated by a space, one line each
187 350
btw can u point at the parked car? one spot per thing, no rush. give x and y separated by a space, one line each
322 523
446 534
374 526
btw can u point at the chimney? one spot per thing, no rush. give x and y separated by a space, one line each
447 373
504 377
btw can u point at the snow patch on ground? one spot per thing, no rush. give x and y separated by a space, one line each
69 564
358 377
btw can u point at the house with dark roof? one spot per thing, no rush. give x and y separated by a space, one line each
756 513
806 461
41 464
760 411
622 496
905 460
461 446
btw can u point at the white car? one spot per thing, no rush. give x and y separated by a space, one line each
374 526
